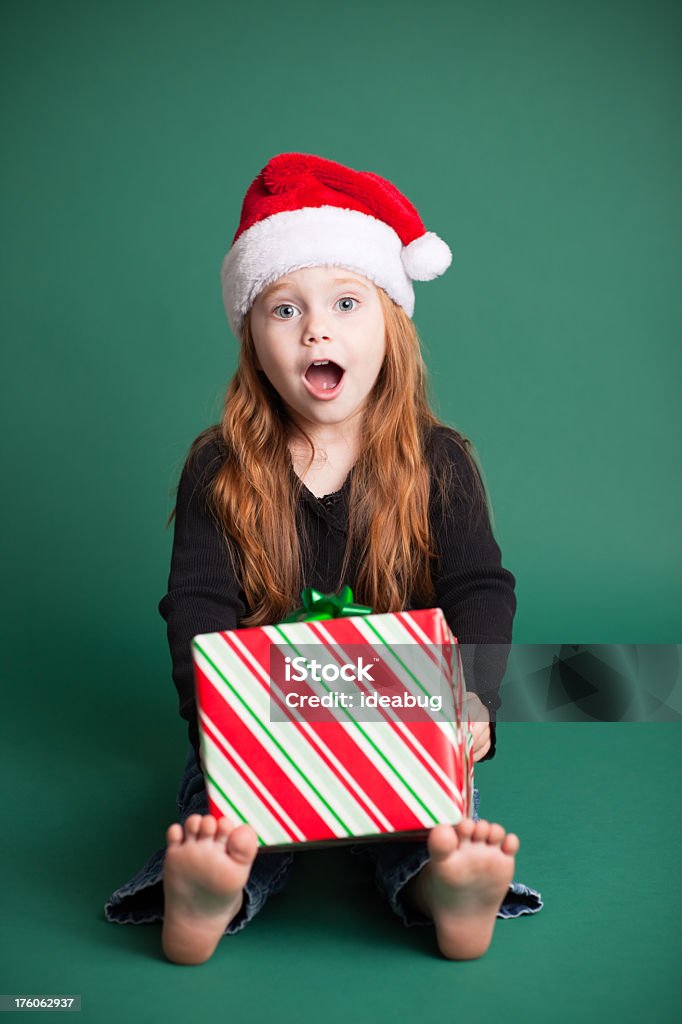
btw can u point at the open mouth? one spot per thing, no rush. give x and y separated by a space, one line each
324 374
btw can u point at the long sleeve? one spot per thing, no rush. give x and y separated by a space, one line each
475 592
204 596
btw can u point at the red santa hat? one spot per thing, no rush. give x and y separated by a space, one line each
306 211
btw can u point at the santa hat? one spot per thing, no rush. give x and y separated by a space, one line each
306 211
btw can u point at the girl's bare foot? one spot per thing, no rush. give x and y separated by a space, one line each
205 870
463 884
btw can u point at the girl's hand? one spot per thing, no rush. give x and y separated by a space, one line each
480 725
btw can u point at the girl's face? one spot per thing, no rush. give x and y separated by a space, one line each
313 315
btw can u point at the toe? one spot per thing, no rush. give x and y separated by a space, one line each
192 826
223 830
174 834
208 827
511 843
496 834
442 841
243 843
465 829
481 831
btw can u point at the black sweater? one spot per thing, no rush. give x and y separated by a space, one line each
474 591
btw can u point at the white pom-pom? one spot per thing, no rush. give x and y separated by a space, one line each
426 257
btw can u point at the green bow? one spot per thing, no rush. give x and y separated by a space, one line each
317 605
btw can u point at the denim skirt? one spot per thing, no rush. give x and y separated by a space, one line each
140 899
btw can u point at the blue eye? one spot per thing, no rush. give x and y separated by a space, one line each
284 305
348 298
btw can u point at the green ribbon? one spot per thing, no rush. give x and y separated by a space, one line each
317 606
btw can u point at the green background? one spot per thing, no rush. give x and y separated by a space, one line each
541 141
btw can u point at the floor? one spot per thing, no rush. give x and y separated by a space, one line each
597 810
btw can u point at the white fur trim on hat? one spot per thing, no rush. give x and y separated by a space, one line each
309 237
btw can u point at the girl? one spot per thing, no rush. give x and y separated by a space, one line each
328 467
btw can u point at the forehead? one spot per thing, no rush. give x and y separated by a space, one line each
329 278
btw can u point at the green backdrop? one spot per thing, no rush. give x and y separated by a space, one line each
541 141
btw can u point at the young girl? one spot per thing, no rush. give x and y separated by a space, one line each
328 467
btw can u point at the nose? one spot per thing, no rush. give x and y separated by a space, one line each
315 329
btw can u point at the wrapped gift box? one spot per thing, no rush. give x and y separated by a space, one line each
341 729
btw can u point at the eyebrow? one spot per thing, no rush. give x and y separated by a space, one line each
283 285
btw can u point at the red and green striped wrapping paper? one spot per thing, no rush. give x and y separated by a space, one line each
337 777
